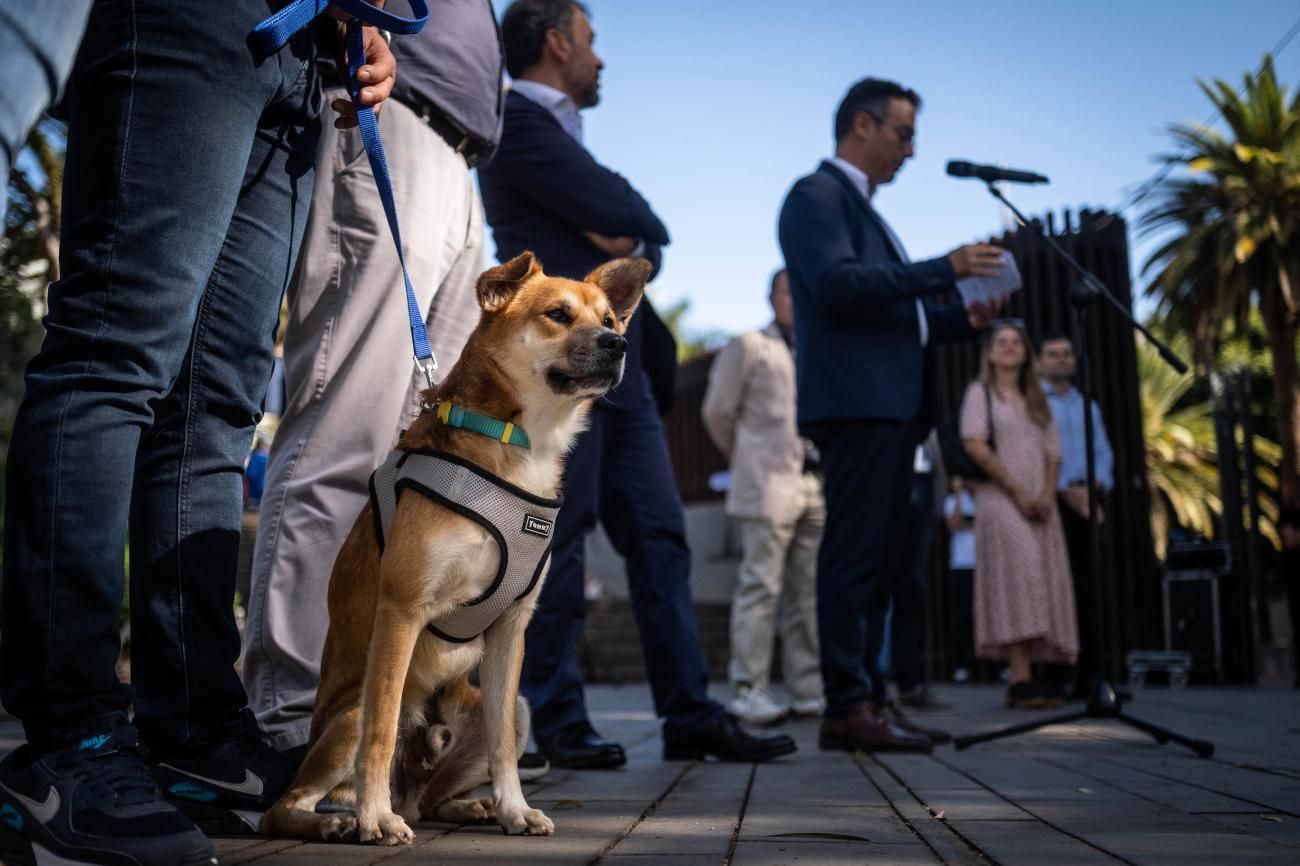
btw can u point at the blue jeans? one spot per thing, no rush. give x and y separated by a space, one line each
189 173
619 473
38 41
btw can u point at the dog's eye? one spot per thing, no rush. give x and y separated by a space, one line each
559 314
608 323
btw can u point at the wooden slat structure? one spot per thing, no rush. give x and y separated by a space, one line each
1129 597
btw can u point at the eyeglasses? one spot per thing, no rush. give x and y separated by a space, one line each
906 135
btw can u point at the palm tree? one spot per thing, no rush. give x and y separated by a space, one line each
1182 454
690 342
1235 244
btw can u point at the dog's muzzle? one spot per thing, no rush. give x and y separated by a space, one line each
596 367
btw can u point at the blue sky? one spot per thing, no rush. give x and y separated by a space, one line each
713 109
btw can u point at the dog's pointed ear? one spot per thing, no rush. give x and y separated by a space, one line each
498 285
623 282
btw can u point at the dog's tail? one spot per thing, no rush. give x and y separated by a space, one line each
455 756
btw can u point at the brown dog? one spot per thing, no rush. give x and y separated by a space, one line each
543 350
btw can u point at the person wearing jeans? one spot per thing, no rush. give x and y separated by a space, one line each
776 495
189 170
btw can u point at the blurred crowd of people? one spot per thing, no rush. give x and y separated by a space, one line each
1018 579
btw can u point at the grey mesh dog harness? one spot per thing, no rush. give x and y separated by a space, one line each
521 523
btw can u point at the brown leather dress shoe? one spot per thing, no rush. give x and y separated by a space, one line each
895 714
866 730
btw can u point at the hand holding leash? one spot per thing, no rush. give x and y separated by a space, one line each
376 77
363 44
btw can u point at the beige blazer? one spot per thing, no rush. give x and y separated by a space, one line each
749 411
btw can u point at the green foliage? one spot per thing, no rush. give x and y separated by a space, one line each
1182 453
689 341
22 292
28 259
1245 348
1229 262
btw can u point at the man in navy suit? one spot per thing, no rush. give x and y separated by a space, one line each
543 191
866 333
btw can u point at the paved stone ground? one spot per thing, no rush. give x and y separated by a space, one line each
1089 793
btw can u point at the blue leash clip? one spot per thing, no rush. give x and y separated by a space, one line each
270 35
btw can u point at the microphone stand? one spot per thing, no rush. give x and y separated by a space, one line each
1104 702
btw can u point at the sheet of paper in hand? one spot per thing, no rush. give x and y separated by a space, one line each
986 289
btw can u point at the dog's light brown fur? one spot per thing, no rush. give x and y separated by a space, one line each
533 360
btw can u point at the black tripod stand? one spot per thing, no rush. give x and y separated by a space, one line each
1103 703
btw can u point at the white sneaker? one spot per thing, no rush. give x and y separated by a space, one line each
532 766
756 707
809 707
961 675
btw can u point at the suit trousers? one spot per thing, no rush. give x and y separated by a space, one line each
619 473
778 569
900 600
351 385
961 617
867 464
1090 664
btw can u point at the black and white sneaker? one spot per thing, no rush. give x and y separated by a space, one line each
96 803
533 766
226 789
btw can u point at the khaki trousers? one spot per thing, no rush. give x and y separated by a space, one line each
778 568
351 383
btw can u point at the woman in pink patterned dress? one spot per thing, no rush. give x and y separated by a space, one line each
1024 599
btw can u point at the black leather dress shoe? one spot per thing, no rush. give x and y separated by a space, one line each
579 747
922 699
724 739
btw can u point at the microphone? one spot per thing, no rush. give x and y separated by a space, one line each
991 173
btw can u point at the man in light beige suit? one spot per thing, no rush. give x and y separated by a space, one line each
776 495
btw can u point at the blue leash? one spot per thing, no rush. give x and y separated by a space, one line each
269 36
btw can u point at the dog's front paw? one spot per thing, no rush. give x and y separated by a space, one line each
384 828
528 822
341 827
466 811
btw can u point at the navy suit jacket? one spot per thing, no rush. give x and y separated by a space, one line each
859 345
541 191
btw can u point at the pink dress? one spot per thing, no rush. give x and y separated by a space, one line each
1023 589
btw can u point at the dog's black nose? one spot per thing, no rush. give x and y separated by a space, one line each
612 343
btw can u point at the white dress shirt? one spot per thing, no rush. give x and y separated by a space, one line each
863 185
557 102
